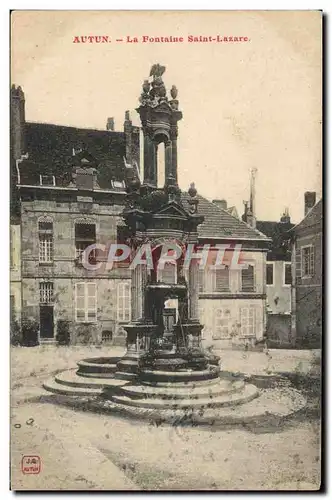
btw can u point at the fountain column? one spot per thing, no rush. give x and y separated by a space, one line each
193 290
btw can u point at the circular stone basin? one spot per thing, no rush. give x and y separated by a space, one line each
101 361
166 364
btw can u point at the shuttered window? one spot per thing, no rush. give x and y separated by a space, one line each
124 298
86 302
307 261
287 273
222 324
221 283
269 273
247 321
248 279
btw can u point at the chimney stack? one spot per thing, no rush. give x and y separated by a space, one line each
285 216
251 215
110 124
221 204
309 201
17 122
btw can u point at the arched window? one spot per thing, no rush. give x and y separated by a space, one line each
168 274
160 165
45 233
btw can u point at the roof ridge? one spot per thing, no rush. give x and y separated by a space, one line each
307 214
76 127
254 230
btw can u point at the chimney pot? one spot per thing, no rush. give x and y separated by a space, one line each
309 201
110 124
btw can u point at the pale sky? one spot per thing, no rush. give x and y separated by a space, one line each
255 104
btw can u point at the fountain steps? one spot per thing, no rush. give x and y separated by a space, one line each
220 387
247 393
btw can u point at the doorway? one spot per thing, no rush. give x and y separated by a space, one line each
46 322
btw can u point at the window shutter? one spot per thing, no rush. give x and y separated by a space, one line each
248 283
222 280
269 274
298 264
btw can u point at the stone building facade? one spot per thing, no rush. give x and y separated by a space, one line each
68 191
68 187
307 264
278 281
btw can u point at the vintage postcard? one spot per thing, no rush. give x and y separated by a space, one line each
166 250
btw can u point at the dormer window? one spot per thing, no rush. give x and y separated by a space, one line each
84 179
47 180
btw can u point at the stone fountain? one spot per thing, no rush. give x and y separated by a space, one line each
165 373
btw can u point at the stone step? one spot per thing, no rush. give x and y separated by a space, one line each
270 408
181 384
185 392
125 376
72 379
248 393
56 388
95 375
97 366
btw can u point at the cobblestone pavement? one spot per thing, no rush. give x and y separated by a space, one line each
81 450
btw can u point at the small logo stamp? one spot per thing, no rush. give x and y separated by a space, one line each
31 464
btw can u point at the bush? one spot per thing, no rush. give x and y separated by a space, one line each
63 332
84 335
15 333
30 330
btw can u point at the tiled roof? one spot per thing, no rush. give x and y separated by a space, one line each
50 149
219 224
313 217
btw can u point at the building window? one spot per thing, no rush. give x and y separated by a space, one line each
45 232
85 235
47 180
124 305
86 302
270 273
287 273
201 280
307 258
247 321
106 336
12 308
221 280
248 279
12 249
222 324
118 184
168 274
46 292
